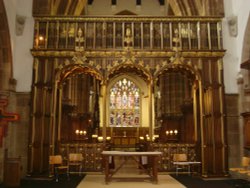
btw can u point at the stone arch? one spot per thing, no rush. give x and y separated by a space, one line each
6 70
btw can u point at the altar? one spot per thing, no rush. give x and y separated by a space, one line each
152 157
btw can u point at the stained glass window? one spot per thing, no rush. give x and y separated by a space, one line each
124 104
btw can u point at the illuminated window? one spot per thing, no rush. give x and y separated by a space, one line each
124 104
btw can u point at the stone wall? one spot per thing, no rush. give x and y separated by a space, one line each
234 135
16 139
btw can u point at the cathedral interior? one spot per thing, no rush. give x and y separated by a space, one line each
106 75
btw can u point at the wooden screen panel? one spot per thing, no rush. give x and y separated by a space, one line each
52 35
247 133
246 117
99 30
168 149
90 35
208 162
109 35
215 72
37 146
206 73
194 36
41 71
218 130
214 36
137 35
204 44
166 36
39 103
207 131
187 129
42 35
118 35
146 35
217 100
157 35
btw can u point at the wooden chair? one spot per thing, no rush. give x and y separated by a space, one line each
56 161
243 169
75 160
245 162
180 161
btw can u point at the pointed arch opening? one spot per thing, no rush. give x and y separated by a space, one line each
76 103
177 104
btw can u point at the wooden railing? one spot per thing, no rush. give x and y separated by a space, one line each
108 33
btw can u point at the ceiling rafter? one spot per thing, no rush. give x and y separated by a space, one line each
67 7
182 8
199 7
175 7
79 7
187 7
193 8
55 6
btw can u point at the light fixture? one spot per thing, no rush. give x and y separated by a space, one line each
94 135
80 132
100 138
40 38
171 132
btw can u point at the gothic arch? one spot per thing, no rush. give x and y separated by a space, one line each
130 67
190 106
68 70
66 109
6 70
141 84
181 66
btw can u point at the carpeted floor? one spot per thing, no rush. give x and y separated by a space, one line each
50 183
196 182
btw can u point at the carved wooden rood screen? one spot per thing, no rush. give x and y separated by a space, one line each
169 70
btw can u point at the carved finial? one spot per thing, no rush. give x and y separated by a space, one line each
79 46
177 58
128 38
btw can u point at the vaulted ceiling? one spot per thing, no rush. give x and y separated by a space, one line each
176 7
